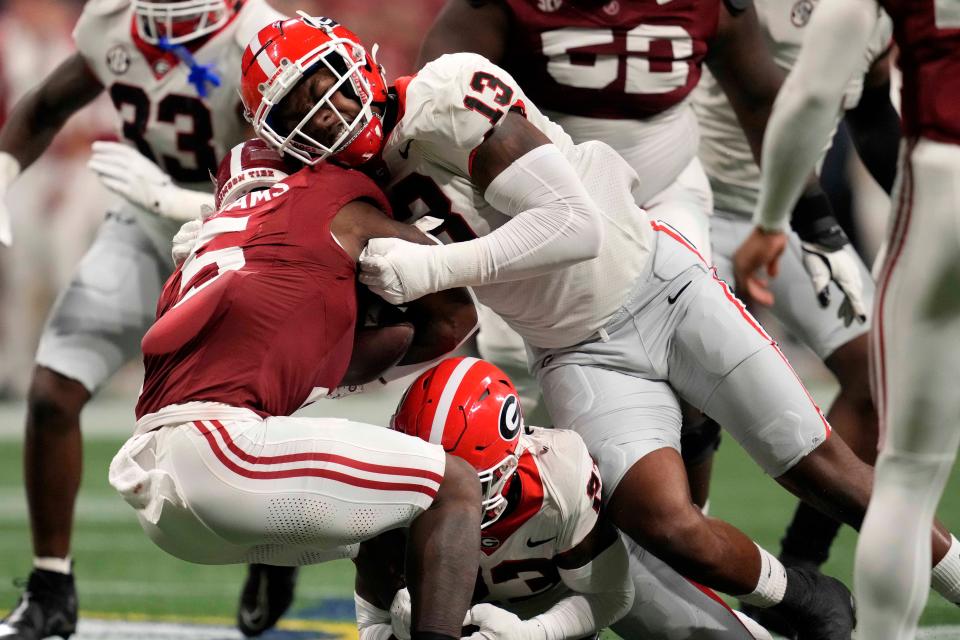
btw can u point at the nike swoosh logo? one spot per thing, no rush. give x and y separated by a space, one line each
405 150
532 544
673 298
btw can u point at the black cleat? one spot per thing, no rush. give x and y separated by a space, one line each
266 596
820 607
48 607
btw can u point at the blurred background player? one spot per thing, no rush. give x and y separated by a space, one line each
60 204
170 70
915 333
830 329
257 322
551 565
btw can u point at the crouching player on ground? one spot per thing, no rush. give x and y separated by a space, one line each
550 561
258 321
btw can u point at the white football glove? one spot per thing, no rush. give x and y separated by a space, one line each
499 624
401 614
126 172
840 266
185 240
399 271
9 170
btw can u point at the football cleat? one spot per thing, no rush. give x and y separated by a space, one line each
47 607
819 606
266 596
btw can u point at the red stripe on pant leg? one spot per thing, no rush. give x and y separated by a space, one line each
670 231
898 238
710 593
756 325
308 472
316 456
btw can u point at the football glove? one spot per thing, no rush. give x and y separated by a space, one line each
126 172
9 170
185 240
399 271
499 624
828 257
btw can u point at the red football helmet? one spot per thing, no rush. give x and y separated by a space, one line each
285 52
181 20
249 165
471 408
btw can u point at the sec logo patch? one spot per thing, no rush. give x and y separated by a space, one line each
801 12
118 59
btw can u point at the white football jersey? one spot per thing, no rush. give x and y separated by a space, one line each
161 113
558 507
447 110
724 150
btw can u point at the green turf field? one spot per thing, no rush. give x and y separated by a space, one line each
120 573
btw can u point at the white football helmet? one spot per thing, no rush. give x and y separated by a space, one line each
181 21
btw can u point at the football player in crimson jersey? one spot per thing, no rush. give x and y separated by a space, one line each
915 335
619 313
258 321
169 68
551 566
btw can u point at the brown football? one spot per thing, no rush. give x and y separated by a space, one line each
376 349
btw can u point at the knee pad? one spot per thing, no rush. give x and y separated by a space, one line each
699 441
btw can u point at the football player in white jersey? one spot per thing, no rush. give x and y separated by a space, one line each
552 566
836 329
619 313
624 73
171 69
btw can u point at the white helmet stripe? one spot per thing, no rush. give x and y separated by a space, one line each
236 164
446 398
266 64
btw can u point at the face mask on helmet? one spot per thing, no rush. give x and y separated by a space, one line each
285 56
180 22
471 408
249 166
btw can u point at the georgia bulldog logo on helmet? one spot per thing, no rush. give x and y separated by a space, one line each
470 408
284 53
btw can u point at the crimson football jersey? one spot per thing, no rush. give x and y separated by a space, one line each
620 59
928 35
262 314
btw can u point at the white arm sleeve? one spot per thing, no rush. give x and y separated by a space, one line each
184 204
373 623
555 224
806 108
603 594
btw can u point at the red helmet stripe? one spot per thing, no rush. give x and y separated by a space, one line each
447 397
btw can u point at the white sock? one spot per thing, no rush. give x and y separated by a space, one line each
59 565
772 583
945 577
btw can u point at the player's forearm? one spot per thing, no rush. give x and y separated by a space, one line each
603 593
808 103
442 321
37 117
555 224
